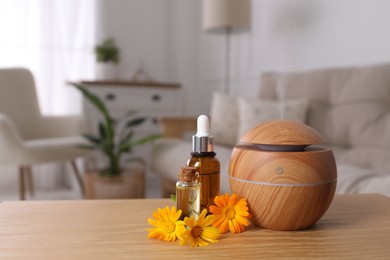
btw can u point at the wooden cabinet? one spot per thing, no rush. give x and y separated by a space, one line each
151 100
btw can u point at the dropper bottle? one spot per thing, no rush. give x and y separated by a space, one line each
208 166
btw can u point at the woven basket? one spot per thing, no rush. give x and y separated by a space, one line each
129 184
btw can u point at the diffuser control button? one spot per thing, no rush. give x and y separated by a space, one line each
279 170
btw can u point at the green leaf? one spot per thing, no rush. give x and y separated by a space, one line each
102 130
195 212
135 122
107 51
192 200
124 147
173 197
125 144
127 137
95 100
147 139
93 139
100 106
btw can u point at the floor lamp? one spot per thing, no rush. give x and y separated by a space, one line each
226 17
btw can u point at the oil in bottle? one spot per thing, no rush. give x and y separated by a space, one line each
203 158
188 192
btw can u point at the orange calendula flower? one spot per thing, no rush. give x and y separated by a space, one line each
166 224
199 233
230 213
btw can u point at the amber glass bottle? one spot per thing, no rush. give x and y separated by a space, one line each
208 167
204 159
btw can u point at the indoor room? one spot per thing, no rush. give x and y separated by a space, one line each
280 107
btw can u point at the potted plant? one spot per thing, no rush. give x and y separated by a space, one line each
115 140
108 56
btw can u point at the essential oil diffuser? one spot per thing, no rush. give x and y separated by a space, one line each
286 174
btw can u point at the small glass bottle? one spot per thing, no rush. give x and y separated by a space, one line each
188 192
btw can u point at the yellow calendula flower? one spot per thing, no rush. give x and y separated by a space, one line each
199 233
230 213
166 224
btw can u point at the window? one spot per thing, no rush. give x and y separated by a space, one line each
54 39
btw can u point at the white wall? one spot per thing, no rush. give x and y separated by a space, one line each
141 29
166 35
300 34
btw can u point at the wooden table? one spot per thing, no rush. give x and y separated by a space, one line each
355 226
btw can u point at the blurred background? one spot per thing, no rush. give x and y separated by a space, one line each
55 39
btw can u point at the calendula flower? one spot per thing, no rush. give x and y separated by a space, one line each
199 233
230 212
166 224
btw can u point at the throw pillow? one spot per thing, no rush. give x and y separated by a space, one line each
254 112
224 119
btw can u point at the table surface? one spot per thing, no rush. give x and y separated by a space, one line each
355 226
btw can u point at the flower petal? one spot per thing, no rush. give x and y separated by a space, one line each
218 221
179 232
223 228
185 236
189 221
207 221
237 226
171 212
183 242
154 222
202 215
177 215
242 204
156 216
242 213
210 234
215 209
242 220
180 223
233 200
201 242
231 227
154 233
162 213
167 227
195 241
220 201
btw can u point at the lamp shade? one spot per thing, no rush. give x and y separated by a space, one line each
222 15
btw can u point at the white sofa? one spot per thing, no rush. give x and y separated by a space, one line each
350 107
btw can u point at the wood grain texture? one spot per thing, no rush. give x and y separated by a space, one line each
285 190
354 227
285 208
283 132
313 166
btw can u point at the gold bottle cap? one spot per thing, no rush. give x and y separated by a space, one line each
188 174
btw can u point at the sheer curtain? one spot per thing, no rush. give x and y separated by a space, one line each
54 39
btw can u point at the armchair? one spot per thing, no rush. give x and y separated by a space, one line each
27 137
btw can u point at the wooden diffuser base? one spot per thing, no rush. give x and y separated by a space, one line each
286 208
286 189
